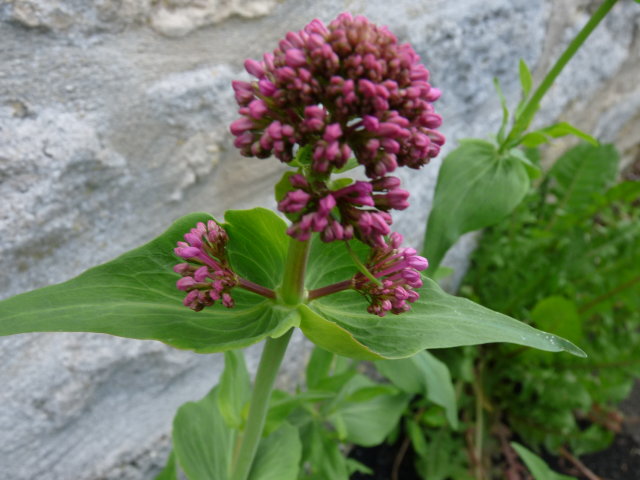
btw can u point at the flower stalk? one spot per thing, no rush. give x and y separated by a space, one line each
532 105
270 361
292 293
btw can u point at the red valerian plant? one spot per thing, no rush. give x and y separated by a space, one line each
327 100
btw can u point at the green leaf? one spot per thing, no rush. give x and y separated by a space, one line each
505 110
423 374
278 456
368 414
416 435
322 454
538 468
436 320
203 445
355 466
360 266
332 336
581 173
444 459
350 165
319 366
544 135
135 295
442 272
526 81
202 442
303 157
559 316
259 246
332 262
532 169
169 472
234 389
338 183
282 188
476 188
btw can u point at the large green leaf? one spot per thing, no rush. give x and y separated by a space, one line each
203 444
202 441
135 295
169 471
476 188
234 388
423 374
278 456
436 320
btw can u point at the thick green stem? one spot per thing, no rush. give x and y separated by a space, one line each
292 292
292 289
532 105
270 361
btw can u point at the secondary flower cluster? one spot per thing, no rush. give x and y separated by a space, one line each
398 270
346 88
207 276
360 209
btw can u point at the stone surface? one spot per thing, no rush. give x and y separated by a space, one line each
173 18
113 122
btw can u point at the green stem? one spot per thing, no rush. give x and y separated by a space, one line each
529 110
479 428
292 289
292 292
611 293
270 361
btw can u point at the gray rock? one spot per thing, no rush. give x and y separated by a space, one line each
109 130
173 18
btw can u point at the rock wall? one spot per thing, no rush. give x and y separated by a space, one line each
113 122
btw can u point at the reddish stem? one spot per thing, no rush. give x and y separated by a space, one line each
329 289
255 288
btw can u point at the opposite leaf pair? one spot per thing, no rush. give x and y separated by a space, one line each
135 296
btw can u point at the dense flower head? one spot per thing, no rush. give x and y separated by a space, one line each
398 270
357 210
349 88
206 276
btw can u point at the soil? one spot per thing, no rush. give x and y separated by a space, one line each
621 461
380 459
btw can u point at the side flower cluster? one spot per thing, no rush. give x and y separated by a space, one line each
398 270
358 210
206 276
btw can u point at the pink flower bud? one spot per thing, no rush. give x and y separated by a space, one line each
254 68
295 58
332 132
240 126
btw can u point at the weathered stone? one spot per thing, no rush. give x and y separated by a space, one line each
109 131
173 18
176 18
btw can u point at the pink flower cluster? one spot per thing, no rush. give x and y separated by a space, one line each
345 88
207 276
342 90
360 209
398 270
